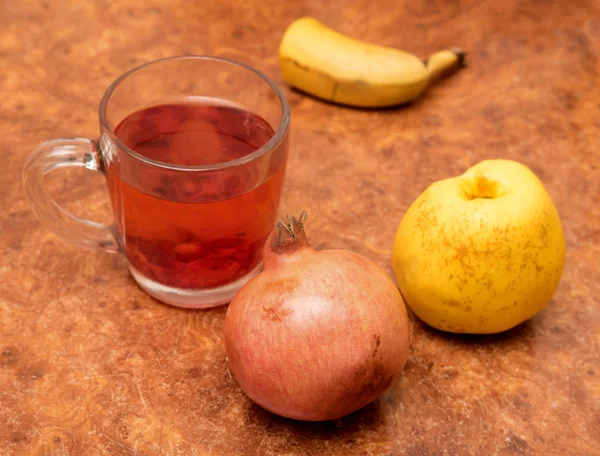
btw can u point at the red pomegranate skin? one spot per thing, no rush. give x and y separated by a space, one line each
318 334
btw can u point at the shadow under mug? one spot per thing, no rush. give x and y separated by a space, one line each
192 235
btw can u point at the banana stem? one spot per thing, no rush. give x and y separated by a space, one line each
442 62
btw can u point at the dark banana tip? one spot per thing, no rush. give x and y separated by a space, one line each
462 56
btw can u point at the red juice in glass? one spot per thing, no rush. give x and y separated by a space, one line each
195 230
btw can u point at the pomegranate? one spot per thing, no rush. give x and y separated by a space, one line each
317 334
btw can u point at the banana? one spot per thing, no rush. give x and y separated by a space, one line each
337 68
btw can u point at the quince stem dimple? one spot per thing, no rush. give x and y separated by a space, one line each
481 186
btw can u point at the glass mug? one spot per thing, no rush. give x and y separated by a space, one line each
194 150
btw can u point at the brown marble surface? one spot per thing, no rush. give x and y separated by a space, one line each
90 365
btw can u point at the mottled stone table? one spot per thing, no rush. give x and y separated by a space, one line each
90 365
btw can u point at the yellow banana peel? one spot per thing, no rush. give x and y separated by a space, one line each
334 67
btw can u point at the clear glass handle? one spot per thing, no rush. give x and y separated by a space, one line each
64 153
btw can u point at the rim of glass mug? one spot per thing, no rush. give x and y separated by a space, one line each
271 144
